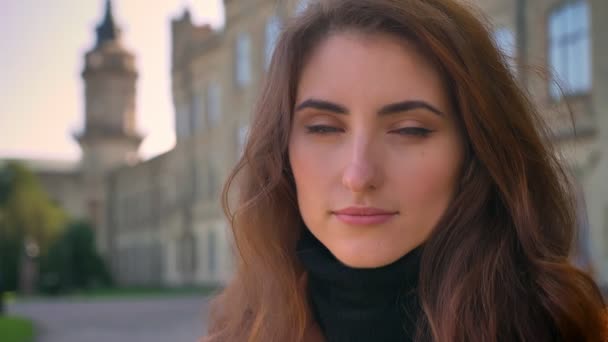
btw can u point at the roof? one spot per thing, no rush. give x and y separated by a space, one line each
107 30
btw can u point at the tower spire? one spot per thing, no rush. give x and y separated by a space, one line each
107 30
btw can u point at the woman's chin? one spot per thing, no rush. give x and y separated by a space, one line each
362 258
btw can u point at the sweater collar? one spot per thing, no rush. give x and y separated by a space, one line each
361 304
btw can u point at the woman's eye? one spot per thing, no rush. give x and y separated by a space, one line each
321 129
416 131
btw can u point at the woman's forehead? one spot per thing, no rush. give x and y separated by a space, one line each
349 67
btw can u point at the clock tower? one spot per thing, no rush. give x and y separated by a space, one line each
109 138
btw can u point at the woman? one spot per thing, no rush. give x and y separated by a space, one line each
397 186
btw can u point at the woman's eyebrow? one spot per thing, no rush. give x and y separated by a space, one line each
406 106
392 108
322 105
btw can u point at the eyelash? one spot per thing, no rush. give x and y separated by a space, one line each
412 131
321 129
415 131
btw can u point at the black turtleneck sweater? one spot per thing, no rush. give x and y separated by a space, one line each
361 304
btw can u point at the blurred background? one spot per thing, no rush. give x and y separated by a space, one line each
120 121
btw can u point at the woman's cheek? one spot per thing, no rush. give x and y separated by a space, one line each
421 173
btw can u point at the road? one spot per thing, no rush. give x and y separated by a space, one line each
129 320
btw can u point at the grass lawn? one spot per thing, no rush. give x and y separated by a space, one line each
14 329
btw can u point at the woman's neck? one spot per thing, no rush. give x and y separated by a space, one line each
351 304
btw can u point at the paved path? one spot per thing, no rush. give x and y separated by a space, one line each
142 320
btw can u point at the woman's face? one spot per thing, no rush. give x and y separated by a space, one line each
374 148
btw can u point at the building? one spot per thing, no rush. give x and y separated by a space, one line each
560 57
159 221
165 224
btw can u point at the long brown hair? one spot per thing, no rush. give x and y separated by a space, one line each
495 268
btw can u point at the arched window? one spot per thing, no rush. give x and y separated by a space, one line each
569 49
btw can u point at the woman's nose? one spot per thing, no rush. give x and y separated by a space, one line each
361 172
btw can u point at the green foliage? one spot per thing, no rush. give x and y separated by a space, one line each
10 250
26 211
14 329
68 258
26 208
72 262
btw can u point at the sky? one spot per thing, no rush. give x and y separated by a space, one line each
43 45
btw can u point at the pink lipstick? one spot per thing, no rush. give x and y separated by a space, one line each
364 215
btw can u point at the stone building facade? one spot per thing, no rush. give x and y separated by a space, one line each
160 222
164 215
561 58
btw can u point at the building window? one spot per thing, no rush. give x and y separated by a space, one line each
195 186
211 182
192 114
273 28
505 41
569 49
182 121
211 248
187 257
214 102
197 113
243 60
202 180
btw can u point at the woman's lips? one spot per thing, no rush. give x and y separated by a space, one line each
364 219
364 215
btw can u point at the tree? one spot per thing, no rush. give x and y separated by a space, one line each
72 262
26 213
